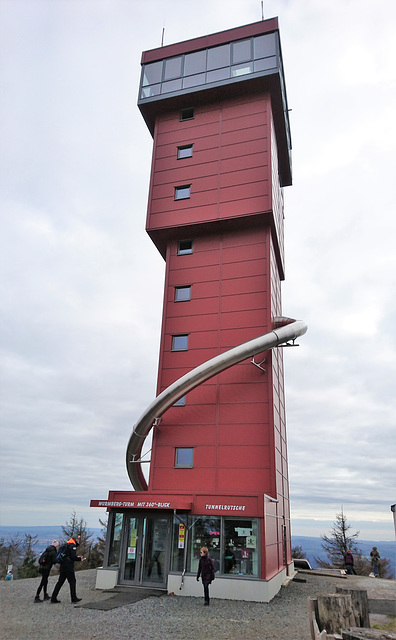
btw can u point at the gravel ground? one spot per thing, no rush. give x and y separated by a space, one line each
155 618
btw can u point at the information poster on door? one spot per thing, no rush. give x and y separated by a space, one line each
182 535
132 545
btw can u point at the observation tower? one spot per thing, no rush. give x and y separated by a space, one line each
216 107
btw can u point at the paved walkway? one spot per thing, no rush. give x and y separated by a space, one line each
381 593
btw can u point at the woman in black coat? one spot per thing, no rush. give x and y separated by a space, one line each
206 570
50 554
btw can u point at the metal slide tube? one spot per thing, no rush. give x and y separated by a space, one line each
193 379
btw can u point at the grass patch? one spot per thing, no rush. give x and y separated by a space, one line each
388 626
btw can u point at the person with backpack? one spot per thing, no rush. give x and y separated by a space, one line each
46 561
67 556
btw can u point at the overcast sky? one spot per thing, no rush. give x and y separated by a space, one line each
81 284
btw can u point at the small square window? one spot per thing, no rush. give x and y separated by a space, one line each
183 192
184 247
185 151
180 402
182 293
187 114
184 457
180 343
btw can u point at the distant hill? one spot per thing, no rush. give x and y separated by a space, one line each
312 548
45 534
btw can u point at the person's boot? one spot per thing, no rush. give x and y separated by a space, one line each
55 601
37 599
46 597
76 600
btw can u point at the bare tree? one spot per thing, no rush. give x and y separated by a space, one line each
96 554
337 545
298 552
88 548
102 538
77 527
385 569
29 568
9 553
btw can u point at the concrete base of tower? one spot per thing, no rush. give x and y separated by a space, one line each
106 578
228 588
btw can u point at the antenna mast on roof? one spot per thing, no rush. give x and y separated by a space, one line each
262 9
163 33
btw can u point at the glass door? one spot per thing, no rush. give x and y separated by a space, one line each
145 556
156 540
131 556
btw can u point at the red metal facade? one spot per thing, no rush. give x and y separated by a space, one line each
234 217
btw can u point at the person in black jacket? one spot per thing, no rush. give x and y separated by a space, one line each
375 559
348 558
67 570
50 560
206 570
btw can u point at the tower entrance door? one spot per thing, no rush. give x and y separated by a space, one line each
145 556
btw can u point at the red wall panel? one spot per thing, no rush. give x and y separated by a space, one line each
242 456
248 301
194 131
185 436
245 240
203 271
233 153
245 206
253 434
246 480
252 391
244 177
233 134
196 314
173 175
244 285
189 479
239 319
242 413
232 337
